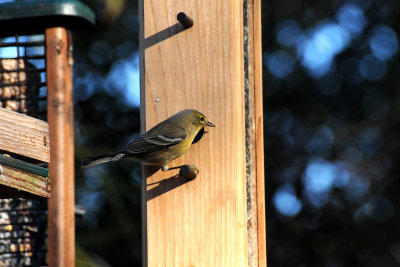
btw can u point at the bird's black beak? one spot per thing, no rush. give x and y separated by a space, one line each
209 124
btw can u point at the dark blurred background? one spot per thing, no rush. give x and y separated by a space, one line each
332 133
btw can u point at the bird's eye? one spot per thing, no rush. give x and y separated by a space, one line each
202 118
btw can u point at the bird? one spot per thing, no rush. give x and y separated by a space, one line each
163 143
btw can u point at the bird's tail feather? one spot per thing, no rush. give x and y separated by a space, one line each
102 158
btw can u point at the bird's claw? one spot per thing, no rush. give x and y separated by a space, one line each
164 168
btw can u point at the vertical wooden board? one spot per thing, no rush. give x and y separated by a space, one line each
256 191
200 222
259 133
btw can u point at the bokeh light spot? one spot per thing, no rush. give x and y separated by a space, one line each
288 32
318 50
286 202
319 176
351 18
124 79
280 63
384 42
372 68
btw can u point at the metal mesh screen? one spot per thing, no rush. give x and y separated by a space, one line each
23 75
23 232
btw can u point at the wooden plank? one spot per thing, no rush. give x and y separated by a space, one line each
24 135
61 225
256 186
200 222
259 134
25 184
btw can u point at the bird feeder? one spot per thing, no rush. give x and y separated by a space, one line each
36 131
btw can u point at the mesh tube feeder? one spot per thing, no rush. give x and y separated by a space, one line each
36 131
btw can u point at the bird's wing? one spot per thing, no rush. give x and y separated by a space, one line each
154 142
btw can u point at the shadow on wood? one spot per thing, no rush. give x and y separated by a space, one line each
165 185
163 35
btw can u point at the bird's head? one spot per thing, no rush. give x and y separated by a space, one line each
199 120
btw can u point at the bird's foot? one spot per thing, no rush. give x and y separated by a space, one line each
187 171
164 168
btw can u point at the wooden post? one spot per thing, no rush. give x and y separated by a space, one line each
202 222
60 117
255 132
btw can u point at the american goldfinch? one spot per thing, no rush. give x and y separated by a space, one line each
164 142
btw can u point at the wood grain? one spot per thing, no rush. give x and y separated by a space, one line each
61 219
200 222
256 211
259 134
24 135
23 182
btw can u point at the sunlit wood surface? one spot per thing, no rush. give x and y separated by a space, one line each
200 222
